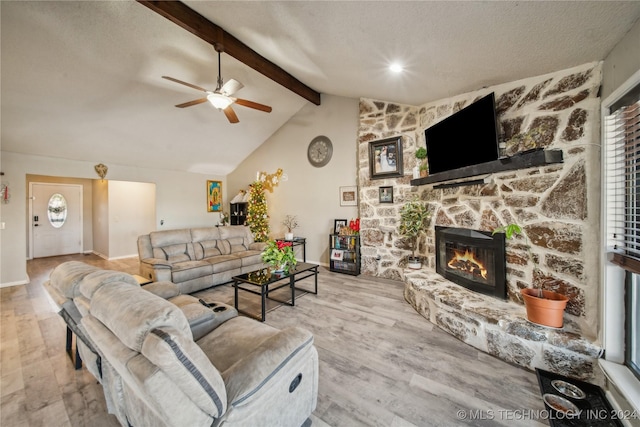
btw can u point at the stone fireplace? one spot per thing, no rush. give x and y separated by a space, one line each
473 259
557 206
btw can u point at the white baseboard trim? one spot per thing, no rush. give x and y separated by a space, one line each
18 283
114 258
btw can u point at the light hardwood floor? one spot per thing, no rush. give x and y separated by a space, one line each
381 363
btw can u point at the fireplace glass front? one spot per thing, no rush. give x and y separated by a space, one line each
473 259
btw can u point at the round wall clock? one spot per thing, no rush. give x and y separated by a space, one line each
319 151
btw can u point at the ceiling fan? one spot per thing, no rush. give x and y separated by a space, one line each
221 97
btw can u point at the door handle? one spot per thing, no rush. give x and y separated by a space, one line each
35 225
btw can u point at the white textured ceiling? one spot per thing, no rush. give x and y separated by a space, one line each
82 80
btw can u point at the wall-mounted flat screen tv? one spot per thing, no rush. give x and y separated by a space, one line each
467 137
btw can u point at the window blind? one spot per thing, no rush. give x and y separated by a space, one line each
622 181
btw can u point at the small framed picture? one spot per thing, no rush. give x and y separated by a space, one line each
337 254
338 224
385 158
348 196
385 194
214 196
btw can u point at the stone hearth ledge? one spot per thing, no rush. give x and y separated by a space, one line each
500 328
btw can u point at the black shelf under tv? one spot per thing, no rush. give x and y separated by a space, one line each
519 161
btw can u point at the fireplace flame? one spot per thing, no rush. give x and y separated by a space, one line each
467 263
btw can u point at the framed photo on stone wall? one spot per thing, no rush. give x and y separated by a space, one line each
385 158
385 194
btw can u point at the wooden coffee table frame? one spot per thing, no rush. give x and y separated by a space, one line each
302 271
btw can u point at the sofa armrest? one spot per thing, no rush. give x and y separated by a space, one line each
258 246
247 376
156 262
164 290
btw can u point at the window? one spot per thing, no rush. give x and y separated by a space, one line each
622 210
57 211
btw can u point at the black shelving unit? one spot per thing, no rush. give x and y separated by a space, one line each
344 254
238 213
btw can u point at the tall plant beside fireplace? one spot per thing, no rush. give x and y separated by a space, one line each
414 219
543 307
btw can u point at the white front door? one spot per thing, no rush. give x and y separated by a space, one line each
56 219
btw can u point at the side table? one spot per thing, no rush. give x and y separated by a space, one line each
297 241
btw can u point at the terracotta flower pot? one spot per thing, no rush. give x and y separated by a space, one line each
546 311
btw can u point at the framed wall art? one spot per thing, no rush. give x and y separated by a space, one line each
338 224
214 196
385 194
348 196
385 158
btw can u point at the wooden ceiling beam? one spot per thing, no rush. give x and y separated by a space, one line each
178 13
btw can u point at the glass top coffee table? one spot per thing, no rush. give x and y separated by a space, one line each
264 281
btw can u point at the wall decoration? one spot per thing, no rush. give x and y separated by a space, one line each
385 194
348 196
270 180
319 151
385 158
214 196
338 224
101 170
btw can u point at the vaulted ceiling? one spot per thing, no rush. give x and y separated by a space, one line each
82 80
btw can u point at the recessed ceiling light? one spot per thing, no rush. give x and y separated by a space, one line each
395 67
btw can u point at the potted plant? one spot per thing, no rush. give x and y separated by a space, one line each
414 217
291 223
543 307
279 255
421 154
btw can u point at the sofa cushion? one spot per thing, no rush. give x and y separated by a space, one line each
202 234
231 231
173 253
238 244
94 281
247 335
207 248
224 263
131 313
170 237
188 270
249 257
68 275
188 367
164 290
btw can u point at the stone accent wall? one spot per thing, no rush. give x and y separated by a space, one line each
558 205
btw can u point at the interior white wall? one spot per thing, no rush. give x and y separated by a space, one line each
310 193
131 213
180 200
622 61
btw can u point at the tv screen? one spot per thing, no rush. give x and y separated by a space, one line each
465 138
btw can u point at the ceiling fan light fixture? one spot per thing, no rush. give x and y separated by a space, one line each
219 101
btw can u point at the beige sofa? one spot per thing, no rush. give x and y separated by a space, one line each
199 258
156 369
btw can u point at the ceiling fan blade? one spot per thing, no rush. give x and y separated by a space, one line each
254 105
231 87
190 103
185 83
231 115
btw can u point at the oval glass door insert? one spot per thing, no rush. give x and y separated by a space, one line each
57 210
